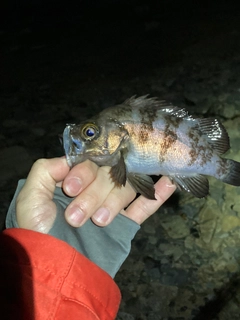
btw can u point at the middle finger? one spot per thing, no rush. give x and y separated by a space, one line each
90 199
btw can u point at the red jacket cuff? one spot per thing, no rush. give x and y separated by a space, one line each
45 278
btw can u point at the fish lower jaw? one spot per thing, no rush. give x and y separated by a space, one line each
69 161
74 159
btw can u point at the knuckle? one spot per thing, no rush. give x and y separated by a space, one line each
93 199
120 199
86 170
159 196
88 203
116 202
104 170
40 162
90 173
143 207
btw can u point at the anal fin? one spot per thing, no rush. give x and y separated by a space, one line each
198 185
142 184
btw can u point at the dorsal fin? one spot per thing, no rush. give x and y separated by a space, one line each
161 105
212 128
216 134
144 101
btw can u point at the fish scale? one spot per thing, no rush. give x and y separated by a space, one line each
146 136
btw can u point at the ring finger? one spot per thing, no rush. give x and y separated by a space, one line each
117 199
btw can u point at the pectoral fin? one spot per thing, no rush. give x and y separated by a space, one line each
198 185
142 184
118 173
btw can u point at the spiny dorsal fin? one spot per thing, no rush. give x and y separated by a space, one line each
143 101
216 134
161 105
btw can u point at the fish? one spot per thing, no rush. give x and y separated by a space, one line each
145 137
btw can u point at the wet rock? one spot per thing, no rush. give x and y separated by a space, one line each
208 220
125 316
229 223
232 241
225 263
152 240
174 276
230 205
148 228
175 227
171 250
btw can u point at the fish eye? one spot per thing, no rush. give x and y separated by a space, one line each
89 131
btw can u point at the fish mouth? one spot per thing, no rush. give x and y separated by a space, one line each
72 146
66 139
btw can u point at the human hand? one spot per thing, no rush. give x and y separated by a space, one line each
96 196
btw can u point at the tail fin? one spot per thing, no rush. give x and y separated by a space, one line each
232 176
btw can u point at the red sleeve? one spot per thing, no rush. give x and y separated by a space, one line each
42 277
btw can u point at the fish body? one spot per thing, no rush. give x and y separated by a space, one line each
145 136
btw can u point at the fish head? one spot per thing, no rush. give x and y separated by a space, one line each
98 143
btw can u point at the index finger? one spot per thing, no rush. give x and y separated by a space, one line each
79 177
142 208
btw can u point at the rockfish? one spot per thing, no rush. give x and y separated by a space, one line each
146 136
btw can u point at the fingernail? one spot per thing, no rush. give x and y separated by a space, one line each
102 215
73 186
75 216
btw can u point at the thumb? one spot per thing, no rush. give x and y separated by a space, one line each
35 209
46 173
